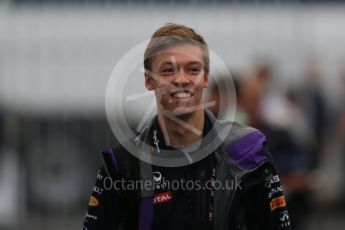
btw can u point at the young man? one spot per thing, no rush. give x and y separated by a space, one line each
229 183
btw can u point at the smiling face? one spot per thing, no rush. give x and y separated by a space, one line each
178 77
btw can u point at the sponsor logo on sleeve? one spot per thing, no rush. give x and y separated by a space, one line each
278 202
273 180
98 190
93 202
274 190
99 175
284 219
91 216
284 216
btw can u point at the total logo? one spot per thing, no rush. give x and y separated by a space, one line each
162 197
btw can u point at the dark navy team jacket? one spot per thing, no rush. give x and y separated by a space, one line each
248 195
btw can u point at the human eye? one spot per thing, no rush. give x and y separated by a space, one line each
167 71
194 69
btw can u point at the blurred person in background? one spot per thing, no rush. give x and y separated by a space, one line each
265 112
339 137
221 103
314 105
290 155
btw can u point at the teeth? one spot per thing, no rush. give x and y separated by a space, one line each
182 95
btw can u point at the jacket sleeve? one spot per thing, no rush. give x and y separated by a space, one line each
266 208
104 205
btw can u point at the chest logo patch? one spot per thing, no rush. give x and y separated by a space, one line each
162 197
157 177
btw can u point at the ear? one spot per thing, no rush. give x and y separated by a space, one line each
149 82
205 84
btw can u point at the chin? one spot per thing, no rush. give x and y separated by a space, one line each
183 111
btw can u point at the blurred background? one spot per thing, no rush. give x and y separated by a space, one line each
287 59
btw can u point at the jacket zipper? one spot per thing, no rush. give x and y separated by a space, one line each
234 194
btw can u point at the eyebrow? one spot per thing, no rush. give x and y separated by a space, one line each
194 62
166 63
188 63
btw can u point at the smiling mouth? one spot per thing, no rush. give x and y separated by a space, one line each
182 95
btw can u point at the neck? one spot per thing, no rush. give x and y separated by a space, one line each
182 130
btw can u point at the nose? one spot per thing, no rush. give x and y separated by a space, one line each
181 78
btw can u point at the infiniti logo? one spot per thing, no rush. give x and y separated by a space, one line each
284 216
155 140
